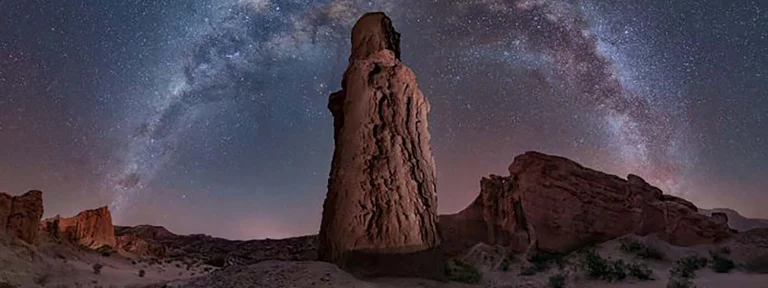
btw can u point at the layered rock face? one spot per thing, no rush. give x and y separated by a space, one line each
90 228
550 203
143 240
381 206
20 215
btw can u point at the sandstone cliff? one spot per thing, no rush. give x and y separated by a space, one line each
553 204
90 228
20 215
381 206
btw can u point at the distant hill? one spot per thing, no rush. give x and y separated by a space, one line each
736 220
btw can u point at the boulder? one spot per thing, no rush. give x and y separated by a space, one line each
381 207
720 218
553 204
90 228
20 215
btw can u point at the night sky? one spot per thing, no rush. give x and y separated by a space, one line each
210 116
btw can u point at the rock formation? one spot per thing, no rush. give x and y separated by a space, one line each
90 228
381 206
144 240
735 220
20 215
553 204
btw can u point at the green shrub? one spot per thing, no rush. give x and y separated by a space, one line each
529 270
543 260
506 261
97 268
105 250
4 284
642 250
556 281
597 267
640 271
676 282
142 273
459 271
686 267
217 261
757 264
722 264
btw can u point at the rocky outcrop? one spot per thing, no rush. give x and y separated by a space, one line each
553 204
20 215
158 242
381 206
735 220
5 210
720 218
144 240
91 228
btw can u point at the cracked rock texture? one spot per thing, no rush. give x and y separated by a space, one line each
553 204
381 208
90 228
20 215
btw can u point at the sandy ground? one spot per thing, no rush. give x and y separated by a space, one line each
52 265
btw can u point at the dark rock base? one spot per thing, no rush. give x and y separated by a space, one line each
429 264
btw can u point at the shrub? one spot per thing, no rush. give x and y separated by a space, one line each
43 279
506 261
556 281
597 267
217 261
642 250
459 271
97 268
640 271
677 282
529 270
541 261
4 284
504 265
721 264
757 264
686 267
142 273
105 250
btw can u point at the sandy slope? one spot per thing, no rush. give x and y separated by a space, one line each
53 265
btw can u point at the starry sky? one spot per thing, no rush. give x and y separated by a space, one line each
210 116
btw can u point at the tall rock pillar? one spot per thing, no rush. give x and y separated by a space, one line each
380 213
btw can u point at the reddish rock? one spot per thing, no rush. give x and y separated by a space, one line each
553 204
20 215
144 240
90 228
381 206
720 218
133 243
5 210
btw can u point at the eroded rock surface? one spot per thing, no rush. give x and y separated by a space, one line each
20 215
90 228
554 204
381 206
